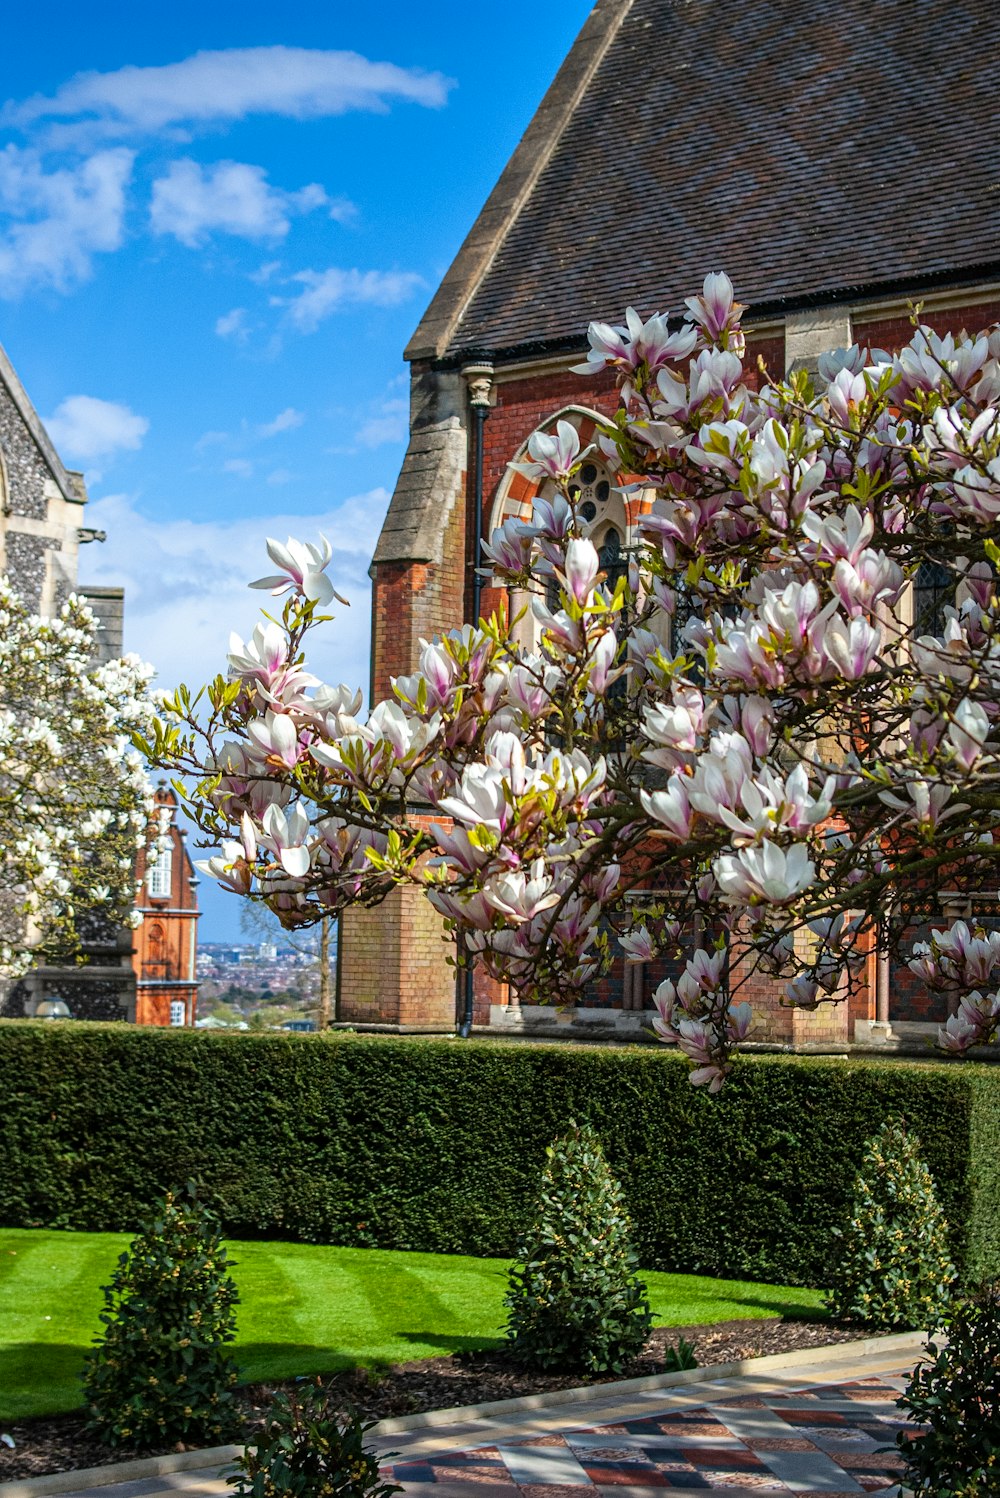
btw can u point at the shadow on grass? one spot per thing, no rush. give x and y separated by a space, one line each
259 1362
451 1344
40 1378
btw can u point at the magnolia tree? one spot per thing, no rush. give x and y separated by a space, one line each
751 753
74 798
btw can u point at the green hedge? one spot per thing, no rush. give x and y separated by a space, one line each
437 1144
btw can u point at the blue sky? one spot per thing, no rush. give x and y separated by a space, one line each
219 225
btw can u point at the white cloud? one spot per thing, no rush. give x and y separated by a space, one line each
285 421
233 325
242 467
390 423
230 197
56 221
186 583
326 291
210 87
280 476
86 429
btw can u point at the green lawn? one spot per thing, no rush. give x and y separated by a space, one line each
305 1308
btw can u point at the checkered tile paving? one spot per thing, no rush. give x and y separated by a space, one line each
821 1440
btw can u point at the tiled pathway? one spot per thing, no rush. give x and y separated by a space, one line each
815 1440
794 1431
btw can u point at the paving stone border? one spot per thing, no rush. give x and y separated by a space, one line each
53 1483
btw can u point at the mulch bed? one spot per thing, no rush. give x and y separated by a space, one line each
60 1444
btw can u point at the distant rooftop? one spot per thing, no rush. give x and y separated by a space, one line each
816 151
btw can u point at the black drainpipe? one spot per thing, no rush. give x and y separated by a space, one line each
480 379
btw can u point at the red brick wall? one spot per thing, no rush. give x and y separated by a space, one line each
892 332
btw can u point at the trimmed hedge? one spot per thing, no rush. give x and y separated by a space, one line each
396 1142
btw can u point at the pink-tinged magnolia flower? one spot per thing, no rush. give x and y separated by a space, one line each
845 535
518 896
263 659
739 1021
698 1041
802 992
967 734
650 343
927 803
482 799
853 359
554 454
579 569
765 874
560 630
531 684
670 808
602 663
232 868
285 834
552 518
459 850
873 578
511 547
276 739
675 727
851 646
977 493
717 312
335 709
753 717
768 802
638 946
303 570
929 360
974 1024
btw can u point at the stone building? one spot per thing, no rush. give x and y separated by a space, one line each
166 944
41 531
836 161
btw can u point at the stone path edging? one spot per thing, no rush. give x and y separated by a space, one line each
218 1456
131 1471
867 1347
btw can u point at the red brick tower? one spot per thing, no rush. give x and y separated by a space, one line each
166 944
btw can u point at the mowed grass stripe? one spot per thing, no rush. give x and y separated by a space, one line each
305 1308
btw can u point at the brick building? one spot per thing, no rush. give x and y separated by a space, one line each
41 531
833 159
165 953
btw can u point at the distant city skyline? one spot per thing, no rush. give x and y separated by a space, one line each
218 227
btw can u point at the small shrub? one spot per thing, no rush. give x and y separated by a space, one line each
159 1373
955 1395
893 1268
303 1450
678 1359
574 1299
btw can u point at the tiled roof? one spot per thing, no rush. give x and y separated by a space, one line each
811 149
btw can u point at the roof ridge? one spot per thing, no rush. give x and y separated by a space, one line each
517 181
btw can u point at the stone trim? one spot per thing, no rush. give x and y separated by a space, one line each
42 440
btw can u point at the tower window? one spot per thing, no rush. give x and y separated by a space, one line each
158 878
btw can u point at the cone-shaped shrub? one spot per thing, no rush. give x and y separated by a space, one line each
160 1372
953 1398
305 1449
892 1266
574 1299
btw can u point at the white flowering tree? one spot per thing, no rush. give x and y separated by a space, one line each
763 748
74 798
